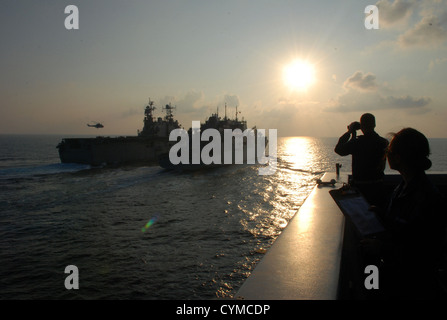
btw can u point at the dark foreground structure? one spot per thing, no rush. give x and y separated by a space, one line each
315 257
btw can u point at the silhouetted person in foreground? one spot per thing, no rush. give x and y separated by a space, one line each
368 158
415 222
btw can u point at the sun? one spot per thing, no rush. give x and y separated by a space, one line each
299 75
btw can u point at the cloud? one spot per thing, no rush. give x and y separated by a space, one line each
405 102
359 81
391 14
424 22
353 100
430 31
362 93
350 102
191 101
436 62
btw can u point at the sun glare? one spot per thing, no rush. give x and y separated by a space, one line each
299 75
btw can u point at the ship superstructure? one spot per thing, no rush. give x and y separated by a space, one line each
238 129
160 127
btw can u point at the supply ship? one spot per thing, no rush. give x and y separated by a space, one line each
145 148
248 144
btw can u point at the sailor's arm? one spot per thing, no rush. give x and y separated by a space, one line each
343 146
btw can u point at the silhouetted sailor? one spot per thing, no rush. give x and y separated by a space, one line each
368 157
415 222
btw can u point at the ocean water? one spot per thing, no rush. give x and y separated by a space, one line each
143 232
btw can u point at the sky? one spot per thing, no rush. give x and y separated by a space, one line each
200 55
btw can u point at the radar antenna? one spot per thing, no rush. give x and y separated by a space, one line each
169 109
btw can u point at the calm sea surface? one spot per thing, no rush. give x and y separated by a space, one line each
209 228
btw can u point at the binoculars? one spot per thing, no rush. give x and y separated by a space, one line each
354 126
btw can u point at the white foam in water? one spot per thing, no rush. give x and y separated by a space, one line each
26 171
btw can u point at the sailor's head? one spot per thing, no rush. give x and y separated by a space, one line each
367 122
409 150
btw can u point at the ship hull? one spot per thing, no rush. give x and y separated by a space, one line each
113 151
165 162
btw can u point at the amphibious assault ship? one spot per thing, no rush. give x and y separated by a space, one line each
146 147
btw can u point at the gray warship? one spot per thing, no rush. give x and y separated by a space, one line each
219 124
145 148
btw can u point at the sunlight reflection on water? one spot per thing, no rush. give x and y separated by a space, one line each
301 160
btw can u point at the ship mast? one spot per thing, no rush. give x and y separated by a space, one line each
148 111
168 108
